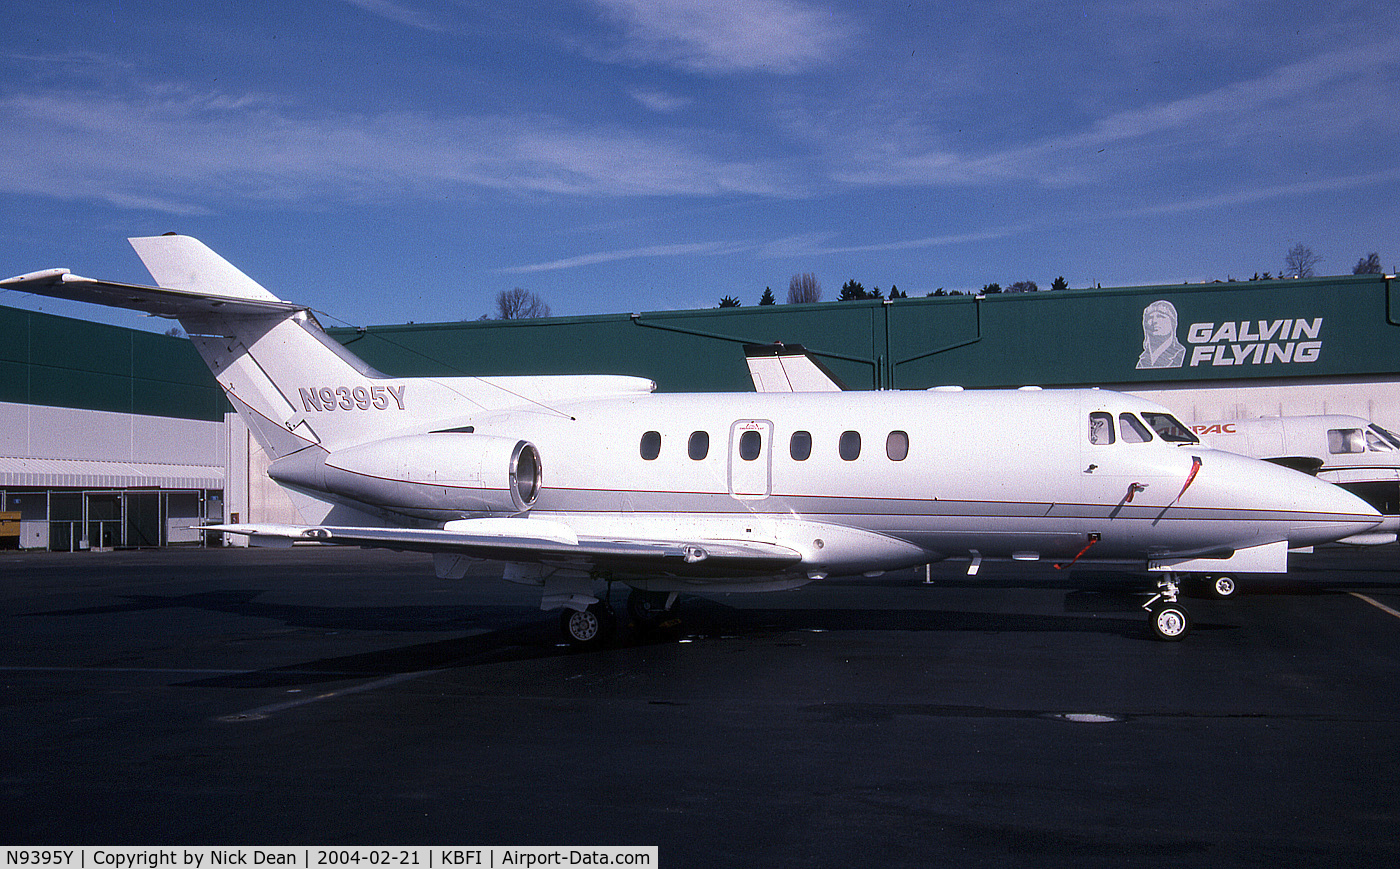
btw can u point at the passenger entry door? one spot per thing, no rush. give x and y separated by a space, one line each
750 459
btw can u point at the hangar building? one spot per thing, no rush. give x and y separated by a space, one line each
123 435
109 437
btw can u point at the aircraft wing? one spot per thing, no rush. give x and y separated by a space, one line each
544 541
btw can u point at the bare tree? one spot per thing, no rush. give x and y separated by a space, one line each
1024 287
1368 265
1300 261
804 288
518 304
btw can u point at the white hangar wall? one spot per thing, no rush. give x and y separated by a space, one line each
83 479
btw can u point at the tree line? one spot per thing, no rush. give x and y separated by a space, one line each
806 287
1299 262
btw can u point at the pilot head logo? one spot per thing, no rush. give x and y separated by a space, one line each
1160 349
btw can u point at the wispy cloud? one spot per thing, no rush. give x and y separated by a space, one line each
172 148
398 13
1310 187
1218 118
706 248
659 101
721 36
812 245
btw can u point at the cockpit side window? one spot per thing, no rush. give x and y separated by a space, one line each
1341 441
1170 429
1131 429
1100 428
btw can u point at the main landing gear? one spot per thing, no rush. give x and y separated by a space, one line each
597 625
1221 587
589 628
1168 618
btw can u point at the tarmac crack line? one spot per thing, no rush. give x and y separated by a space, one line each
272 709
1375 603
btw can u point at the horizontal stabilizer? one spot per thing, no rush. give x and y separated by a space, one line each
159 301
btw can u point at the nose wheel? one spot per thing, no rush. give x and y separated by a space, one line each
1168 619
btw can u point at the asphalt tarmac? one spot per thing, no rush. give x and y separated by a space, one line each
322 696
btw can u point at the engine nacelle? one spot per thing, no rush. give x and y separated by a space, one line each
444 475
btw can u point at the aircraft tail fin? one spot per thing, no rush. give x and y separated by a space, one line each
788 368
183 263
293 384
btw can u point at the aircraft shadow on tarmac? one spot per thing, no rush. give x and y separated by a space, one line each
697 620
499 634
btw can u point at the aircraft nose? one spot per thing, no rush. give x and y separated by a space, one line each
1315 511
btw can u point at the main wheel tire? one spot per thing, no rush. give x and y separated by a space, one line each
1222 586
1170 622
590 628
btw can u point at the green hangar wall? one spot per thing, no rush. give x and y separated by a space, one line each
62 362
1283 331
1325 331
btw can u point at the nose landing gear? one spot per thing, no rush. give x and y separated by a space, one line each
1169 619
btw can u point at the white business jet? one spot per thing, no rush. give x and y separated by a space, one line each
574 480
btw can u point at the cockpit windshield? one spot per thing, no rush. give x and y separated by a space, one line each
1381 441
1169 428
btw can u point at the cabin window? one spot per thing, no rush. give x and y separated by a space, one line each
850 446
1100 428
1131 429
1170 429
1345 440
651 445
750 445
800 446
699 446
897 446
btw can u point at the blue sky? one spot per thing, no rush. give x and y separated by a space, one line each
395 160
